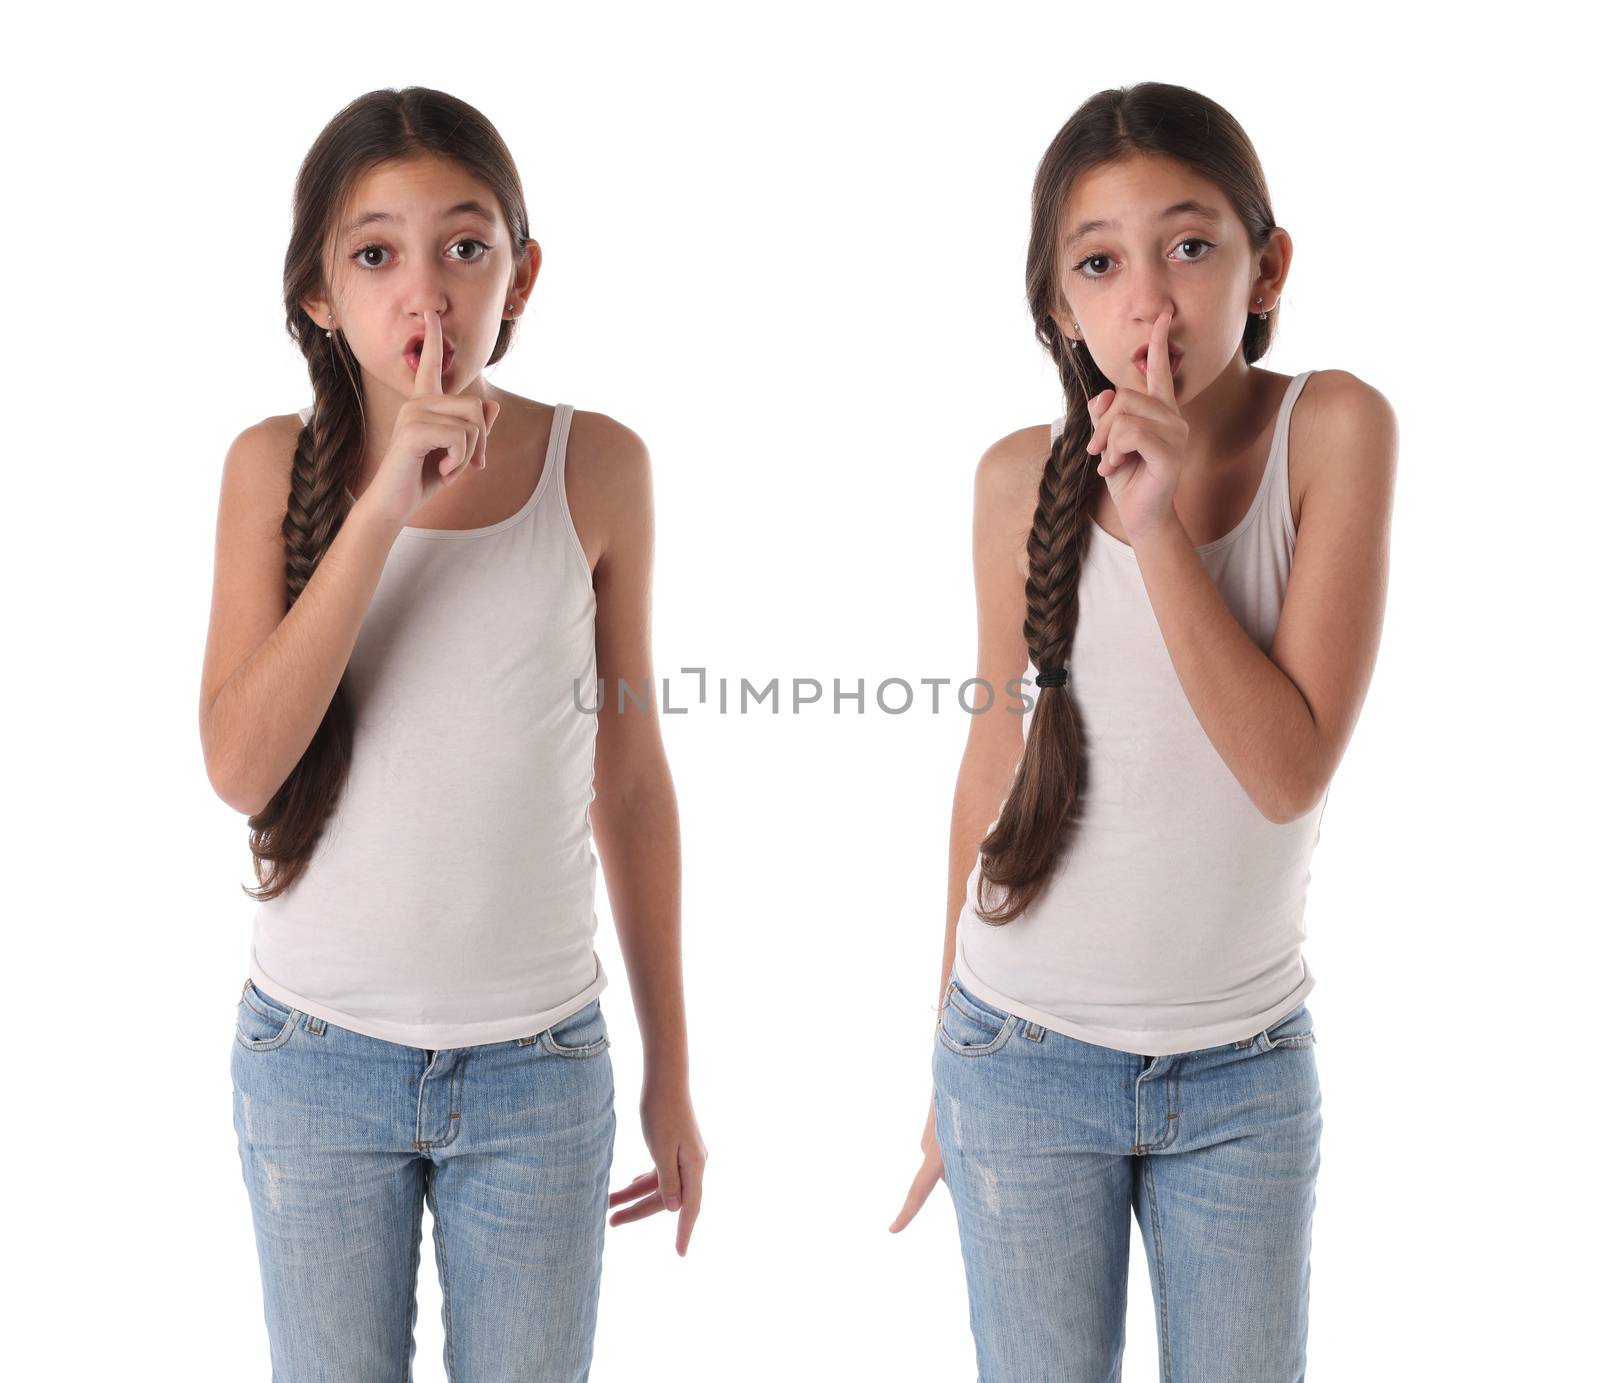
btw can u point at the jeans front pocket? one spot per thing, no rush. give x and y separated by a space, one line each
579 1034
1294 1029
970 1026
262 1022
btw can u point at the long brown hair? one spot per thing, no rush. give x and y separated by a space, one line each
1038 821
375 128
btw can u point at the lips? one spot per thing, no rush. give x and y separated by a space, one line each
413 353
1172 369
414 344
1140 356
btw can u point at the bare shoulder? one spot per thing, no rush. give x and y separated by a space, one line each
1343 431
1351 400
608 483
282 428
598 442
1339 397
256 474
1006 491
1016 461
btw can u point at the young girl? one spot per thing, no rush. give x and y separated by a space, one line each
412 631
1122 1018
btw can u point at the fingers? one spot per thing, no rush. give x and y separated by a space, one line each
1109 408
1113 453
463 452
922 1185
1097 408
691 1207
492 412
1102 434
476 449
640 1185
1157 365
671 1189
478 456
430 379
682 1194
648 1206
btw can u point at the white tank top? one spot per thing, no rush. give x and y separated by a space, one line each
1176 919
450 901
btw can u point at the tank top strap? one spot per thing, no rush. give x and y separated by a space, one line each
556 458
1277 505
556 477
560 427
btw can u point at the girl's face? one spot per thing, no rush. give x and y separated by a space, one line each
418 233
1144 235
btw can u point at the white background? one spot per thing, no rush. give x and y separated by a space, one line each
786 247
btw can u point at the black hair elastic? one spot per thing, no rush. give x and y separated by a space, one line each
1052 677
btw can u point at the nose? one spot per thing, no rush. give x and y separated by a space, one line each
1150 296
415 310
424 291
1147 309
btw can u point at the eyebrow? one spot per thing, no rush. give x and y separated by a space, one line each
469 207
1185 208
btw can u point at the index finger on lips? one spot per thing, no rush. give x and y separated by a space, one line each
1158 364
430 379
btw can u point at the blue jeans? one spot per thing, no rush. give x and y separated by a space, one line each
343 1136
1048 1141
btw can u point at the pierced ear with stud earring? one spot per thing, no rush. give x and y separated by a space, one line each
329 331
1261 315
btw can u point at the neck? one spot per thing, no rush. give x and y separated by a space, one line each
1224 418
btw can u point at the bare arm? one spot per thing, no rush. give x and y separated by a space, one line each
635 816
1005 493
268 675
1281 722
635 809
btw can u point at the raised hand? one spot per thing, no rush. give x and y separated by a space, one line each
1143 436
436 435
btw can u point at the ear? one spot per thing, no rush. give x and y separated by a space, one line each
1273 267
526 272
318 309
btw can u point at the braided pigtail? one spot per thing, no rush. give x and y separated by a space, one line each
285 832
1036 822
1038 819
376 128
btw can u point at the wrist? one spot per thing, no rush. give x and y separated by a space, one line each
663 1081
1161 529
365 519
663 1093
